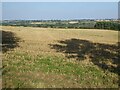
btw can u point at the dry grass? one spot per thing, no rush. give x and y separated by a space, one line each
36 42
37 39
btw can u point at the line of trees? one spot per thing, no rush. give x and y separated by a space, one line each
107 25
62 24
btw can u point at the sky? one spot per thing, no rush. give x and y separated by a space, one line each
59 10
119 10
60 0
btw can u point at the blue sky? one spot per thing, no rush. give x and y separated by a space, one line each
59 10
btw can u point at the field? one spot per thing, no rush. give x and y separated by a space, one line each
57 58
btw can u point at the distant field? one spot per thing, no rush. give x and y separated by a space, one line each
48 57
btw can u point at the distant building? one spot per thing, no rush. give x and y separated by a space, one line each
73 22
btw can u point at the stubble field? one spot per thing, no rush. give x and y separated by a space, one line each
47 58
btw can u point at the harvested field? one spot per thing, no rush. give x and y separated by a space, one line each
47 58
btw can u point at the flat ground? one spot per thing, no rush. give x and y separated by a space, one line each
45 57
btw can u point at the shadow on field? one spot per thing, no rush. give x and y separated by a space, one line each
103 55
9 41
